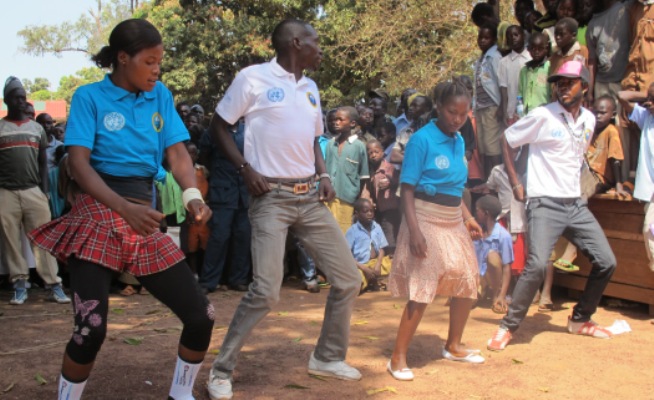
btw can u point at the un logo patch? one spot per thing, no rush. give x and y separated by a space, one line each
114 121
442 162
276 94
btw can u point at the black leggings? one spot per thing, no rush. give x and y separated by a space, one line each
175 287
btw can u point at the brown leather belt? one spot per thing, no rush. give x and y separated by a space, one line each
295 186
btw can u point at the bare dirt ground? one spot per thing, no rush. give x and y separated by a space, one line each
543 361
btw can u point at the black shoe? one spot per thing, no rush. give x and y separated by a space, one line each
239 288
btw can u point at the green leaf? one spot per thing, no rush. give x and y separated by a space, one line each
282 313
397 306
133 341
214 351
320 378
119 311
516 361
363 322
294 386
371 337
297 339
39 379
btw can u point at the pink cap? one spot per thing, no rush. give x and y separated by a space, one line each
571 69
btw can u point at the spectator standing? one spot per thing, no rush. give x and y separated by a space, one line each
230 231
23 194
488 114
347 163
46 121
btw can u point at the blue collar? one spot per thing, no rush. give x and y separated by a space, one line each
118 93
363 228
441 137
495 233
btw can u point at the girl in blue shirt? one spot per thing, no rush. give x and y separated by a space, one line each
435 254
118 132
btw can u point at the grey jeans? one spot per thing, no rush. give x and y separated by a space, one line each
271 216
548 219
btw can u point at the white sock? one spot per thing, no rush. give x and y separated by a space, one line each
69 390
183 380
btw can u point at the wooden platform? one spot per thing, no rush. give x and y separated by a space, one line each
622 222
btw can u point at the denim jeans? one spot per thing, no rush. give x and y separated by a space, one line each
548 219
272 215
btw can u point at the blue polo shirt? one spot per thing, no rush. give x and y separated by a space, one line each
435 162
360 241
126 132
499 241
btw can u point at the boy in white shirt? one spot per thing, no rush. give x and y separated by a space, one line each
509 73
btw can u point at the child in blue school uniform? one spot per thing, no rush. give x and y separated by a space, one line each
367 243
494 251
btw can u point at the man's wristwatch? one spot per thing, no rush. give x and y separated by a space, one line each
325 175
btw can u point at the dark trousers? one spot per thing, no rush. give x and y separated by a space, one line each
230 234
548 219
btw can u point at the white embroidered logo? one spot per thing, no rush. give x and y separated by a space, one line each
114 121
442 162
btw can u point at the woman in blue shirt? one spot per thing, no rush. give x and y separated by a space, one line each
118 131
435 254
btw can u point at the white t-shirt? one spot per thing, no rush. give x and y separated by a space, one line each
498 181
282 119
555 153
645 173
509 77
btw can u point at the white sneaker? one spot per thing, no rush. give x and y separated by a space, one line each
219 388
336 369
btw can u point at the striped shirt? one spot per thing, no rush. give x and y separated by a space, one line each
20 143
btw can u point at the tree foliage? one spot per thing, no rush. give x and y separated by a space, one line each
68 84
39 84
391 43
88 34
207 42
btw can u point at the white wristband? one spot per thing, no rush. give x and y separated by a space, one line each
191 194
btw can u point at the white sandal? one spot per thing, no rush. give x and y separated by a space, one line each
404 374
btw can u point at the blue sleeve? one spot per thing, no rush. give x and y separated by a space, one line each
81 127
413 163
383 243
350 236
174 130
506 248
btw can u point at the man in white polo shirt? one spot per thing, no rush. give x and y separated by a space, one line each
282 157
558 135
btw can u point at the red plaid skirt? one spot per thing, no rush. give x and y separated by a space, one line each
93 232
